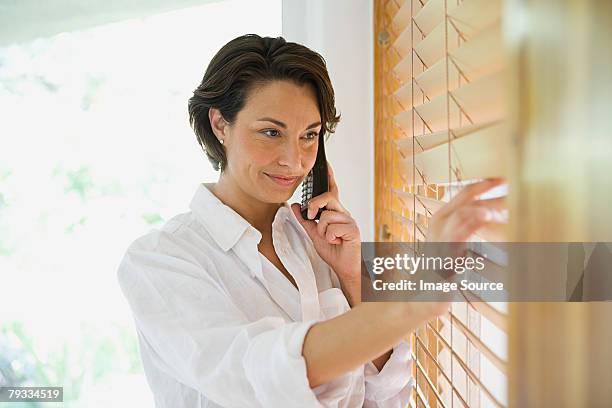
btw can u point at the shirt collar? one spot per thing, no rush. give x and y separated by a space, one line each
224 224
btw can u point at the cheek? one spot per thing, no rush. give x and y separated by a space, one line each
248 153
310 158
260 158
254 158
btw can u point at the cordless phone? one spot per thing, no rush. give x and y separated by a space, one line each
316 181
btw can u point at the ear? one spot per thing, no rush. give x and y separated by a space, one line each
217 123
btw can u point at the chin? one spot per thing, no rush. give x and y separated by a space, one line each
277 197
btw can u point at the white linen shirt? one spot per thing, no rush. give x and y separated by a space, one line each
220 326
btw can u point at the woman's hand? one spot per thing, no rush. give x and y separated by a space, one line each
465 214
454 223
336 237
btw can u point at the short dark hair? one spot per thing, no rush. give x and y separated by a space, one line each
245 63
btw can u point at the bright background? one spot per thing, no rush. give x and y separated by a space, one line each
95 151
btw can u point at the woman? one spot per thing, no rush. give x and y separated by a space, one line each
242 303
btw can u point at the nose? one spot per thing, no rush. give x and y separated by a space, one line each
290 155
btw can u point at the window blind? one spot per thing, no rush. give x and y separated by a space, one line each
439 125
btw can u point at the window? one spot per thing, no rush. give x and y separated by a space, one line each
96 150
439 115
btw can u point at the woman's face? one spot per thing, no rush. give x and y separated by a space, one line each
273 143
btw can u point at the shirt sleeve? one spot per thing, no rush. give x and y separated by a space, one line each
392 386
204 341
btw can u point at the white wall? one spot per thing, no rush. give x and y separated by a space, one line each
341 31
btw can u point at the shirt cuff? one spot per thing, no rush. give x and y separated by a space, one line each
276 368
396 374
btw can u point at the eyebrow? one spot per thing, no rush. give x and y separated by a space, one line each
284 126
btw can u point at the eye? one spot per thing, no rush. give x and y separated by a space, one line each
271 130
312 135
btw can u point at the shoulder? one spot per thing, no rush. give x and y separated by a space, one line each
180 245
169 238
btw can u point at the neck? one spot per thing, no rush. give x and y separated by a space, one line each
257 213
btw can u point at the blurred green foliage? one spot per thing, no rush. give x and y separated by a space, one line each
95 353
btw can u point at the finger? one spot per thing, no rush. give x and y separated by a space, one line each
497 203
331 217
469 220
337 233
465 230
327 200
495 209
469 193
310 226
497 206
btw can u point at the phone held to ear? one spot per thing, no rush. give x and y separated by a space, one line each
316 182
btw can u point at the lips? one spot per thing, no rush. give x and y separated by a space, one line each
282 180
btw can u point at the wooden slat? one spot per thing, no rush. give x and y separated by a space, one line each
463 364
432 387
431 48
493 315
465 21
430 16
430 140
403 120
432 82
491 272
424 205
403 70
433 113
477 102
410 226
483 348
402 16
482 100
472 16
443 372
481 55
423 142
480 154
474 59
403 43
404 96
496 251
420 396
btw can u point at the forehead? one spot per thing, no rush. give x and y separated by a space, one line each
282 100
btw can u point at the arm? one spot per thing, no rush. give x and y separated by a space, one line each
352 292
388 379
341 344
